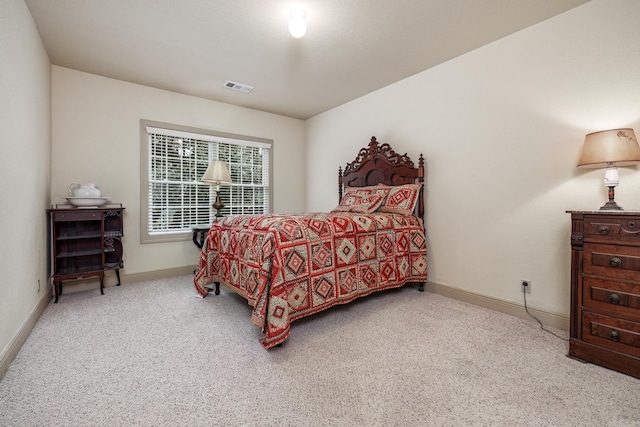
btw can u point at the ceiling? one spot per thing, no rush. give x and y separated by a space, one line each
352 47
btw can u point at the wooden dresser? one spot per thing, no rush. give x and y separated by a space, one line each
605 289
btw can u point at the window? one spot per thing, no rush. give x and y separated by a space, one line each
173 198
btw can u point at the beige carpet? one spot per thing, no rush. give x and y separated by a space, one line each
153 354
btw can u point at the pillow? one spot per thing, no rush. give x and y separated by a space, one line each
370 190
362 199
401 199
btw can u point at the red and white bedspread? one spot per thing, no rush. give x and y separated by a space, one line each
291 266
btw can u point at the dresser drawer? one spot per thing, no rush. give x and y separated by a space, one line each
81 215
612 333
621 262
623 298
616 229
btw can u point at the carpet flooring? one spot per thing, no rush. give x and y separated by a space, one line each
154 354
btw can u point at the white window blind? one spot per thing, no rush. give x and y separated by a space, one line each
177 160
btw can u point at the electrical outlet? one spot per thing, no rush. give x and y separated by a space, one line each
525 286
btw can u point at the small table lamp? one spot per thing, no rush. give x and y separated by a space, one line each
610 148
217 173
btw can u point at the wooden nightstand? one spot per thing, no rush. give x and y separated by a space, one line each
199 233
605 289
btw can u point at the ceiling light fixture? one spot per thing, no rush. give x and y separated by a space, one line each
297 23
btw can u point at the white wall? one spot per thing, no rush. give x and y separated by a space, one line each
25 138
501 129
96 138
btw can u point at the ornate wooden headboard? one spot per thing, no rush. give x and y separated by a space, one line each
379 164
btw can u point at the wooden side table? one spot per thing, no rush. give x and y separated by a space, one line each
199 234
85 242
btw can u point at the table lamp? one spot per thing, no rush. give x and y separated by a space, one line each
218 174
610 149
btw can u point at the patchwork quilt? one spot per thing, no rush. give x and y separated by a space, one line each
291 266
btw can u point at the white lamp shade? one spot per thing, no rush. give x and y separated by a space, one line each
610 147
217 173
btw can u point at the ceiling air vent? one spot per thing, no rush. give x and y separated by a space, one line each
237 86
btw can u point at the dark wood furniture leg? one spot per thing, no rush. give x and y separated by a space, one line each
57 290
216 290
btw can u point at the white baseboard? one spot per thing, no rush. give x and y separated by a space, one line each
125 279
15 344
18 340
549 319
157 274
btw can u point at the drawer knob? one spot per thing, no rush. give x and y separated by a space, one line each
604 229
615 262
614 335
614 298
631 224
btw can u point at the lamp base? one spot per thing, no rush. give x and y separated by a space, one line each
218 205
611 205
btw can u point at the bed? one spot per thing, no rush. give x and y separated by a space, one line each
292 266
